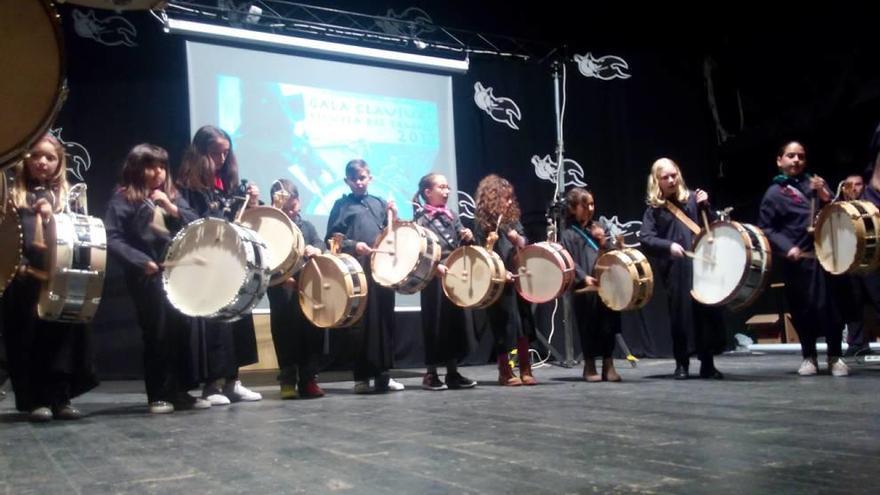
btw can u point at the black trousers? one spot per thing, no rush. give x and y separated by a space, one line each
813 309
443 326
168 340
688 317
510 318
297 341
596 324
371 337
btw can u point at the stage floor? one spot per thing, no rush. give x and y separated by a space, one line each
762 430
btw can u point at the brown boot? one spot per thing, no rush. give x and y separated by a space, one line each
609 374
590 373
506 376
525 362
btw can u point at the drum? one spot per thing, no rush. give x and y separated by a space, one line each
625 278
475 277
215 269
282 237
32 64
333 290
119 4
732 264
405 257
76 262
544 271
11 242
846 237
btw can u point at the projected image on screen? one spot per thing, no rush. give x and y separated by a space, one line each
303 119
311 131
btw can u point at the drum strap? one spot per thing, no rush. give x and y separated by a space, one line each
586 237
683 218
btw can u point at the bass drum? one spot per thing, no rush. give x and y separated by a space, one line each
731 264
32 88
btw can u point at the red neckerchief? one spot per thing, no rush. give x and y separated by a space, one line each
218 183
433 211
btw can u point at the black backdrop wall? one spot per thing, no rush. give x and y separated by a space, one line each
128 85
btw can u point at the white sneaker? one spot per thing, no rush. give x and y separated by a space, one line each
363 387
245 393
808 368
161 407
838 367
394 385
201 403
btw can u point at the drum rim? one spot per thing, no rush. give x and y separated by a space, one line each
559 253
286 268
14 219
220 313
493 261
426 237
11 156
338 260
765 274
861 234
747 242
633 257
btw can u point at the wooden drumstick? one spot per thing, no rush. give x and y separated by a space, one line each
693 255
710 236
195 260
40 275
587 289
812 227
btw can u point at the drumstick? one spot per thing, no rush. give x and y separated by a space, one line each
808 255
710 236
382 251
324 285
195 260
833 242
463 275
812 227
693 255
40 275
589 288
39 238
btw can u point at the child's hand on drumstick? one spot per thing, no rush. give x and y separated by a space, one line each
818 184
442 269
466 234
702 196
310 251
592 281
43 208
362 248
151 268
515 238
391 206
290 283
161 199
794 253
676 250
253 193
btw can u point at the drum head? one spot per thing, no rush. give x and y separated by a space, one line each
208 267
837 241
33 74
720 265
323 291
541 276
10 253
468 278
281 235
398 252
615 282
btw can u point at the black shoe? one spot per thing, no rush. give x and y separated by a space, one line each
40 415
858 350
432 382
681 372
67 411
456 381
711 373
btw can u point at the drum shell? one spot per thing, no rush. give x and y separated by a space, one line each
865 222
33 93
560 260
76 264
264 220
353 280
641 276
12 245
422 271
495 268
248 251
753 276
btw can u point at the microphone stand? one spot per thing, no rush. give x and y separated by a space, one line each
556 216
